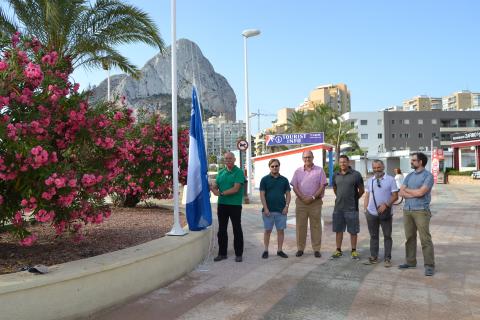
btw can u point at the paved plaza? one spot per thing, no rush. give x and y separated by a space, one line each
312 288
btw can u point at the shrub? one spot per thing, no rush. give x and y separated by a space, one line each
56 159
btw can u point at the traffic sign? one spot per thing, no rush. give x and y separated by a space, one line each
242 145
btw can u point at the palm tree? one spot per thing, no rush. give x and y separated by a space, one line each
320 119
84 32
296 122
341 133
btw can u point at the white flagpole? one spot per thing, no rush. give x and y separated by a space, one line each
177 229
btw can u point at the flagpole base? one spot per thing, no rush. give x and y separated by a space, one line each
177 230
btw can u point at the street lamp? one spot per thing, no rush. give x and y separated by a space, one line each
337 146
247 34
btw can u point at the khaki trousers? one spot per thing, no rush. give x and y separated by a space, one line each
303 213
413 221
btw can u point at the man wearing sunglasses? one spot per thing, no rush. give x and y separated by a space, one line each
275 196
381 193
309 183
416 189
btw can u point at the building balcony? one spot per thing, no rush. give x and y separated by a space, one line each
457 129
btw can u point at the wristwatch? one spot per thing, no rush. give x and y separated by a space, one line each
313 197
221 193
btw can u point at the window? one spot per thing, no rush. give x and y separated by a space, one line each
379 136
364 136
379 122
400 135
434 134
393 135
434 121
393 121
420 135
363 122
406 135
406 121
420 121
400 121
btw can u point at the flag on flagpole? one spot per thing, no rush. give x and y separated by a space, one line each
199 211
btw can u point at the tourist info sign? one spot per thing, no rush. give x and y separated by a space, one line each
293 138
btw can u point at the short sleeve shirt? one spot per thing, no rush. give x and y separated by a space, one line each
275 189
309 181
347 186
415 180
382 190
225 180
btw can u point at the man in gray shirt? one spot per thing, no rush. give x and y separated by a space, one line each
381 193
348 188
416 190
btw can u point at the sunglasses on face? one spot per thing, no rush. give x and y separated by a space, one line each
274 166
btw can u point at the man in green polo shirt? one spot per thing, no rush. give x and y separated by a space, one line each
275 196
229 189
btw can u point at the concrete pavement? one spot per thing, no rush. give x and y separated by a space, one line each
312 288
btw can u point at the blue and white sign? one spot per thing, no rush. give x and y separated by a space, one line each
293 138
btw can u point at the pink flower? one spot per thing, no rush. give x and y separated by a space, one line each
43 216
3 66
28 241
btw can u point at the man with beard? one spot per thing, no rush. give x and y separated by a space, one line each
416 189
381 193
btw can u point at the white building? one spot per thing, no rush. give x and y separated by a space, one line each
370 129
222 135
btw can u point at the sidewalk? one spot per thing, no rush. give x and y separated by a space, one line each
312 288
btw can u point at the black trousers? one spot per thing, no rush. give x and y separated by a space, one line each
224 212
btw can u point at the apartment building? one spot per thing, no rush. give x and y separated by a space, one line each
462 100
418 130
422 103
369 128
222 135
336 96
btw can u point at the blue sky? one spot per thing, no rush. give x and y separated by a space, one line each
385 51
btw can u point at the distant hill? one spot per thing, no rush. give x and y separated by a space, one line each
153 90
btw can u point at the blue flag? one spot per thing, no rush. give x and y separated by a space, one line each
199 211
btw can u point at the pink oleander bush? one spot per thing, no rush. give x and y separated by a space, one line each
148 163
60 157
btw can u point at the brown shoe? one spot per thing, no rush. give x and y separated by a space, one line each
371 260
387 263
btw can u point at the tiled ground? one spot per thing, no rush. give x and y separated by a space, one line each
310 288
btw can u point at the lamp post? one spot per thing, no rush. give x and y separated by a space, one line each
337 146
247 34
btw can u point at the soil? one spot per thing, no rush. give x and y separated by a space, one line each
125 228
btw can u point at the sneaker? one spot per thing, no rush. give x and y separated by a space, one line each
299 253
371 260
337 254
429 271
282 254
355 255
265 254
406 266
219 258
317 254
238 259
387 263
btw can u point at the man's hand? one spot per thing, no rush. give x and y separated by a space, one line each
285 210
215 190
266 212
307 199
381 209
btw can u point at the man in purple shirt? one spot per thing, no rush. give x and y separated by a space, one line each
309 183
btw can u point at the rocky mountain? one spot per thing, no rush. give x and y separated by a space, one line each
152 91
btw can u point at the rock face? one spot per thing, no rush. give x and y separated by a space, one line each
153 89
